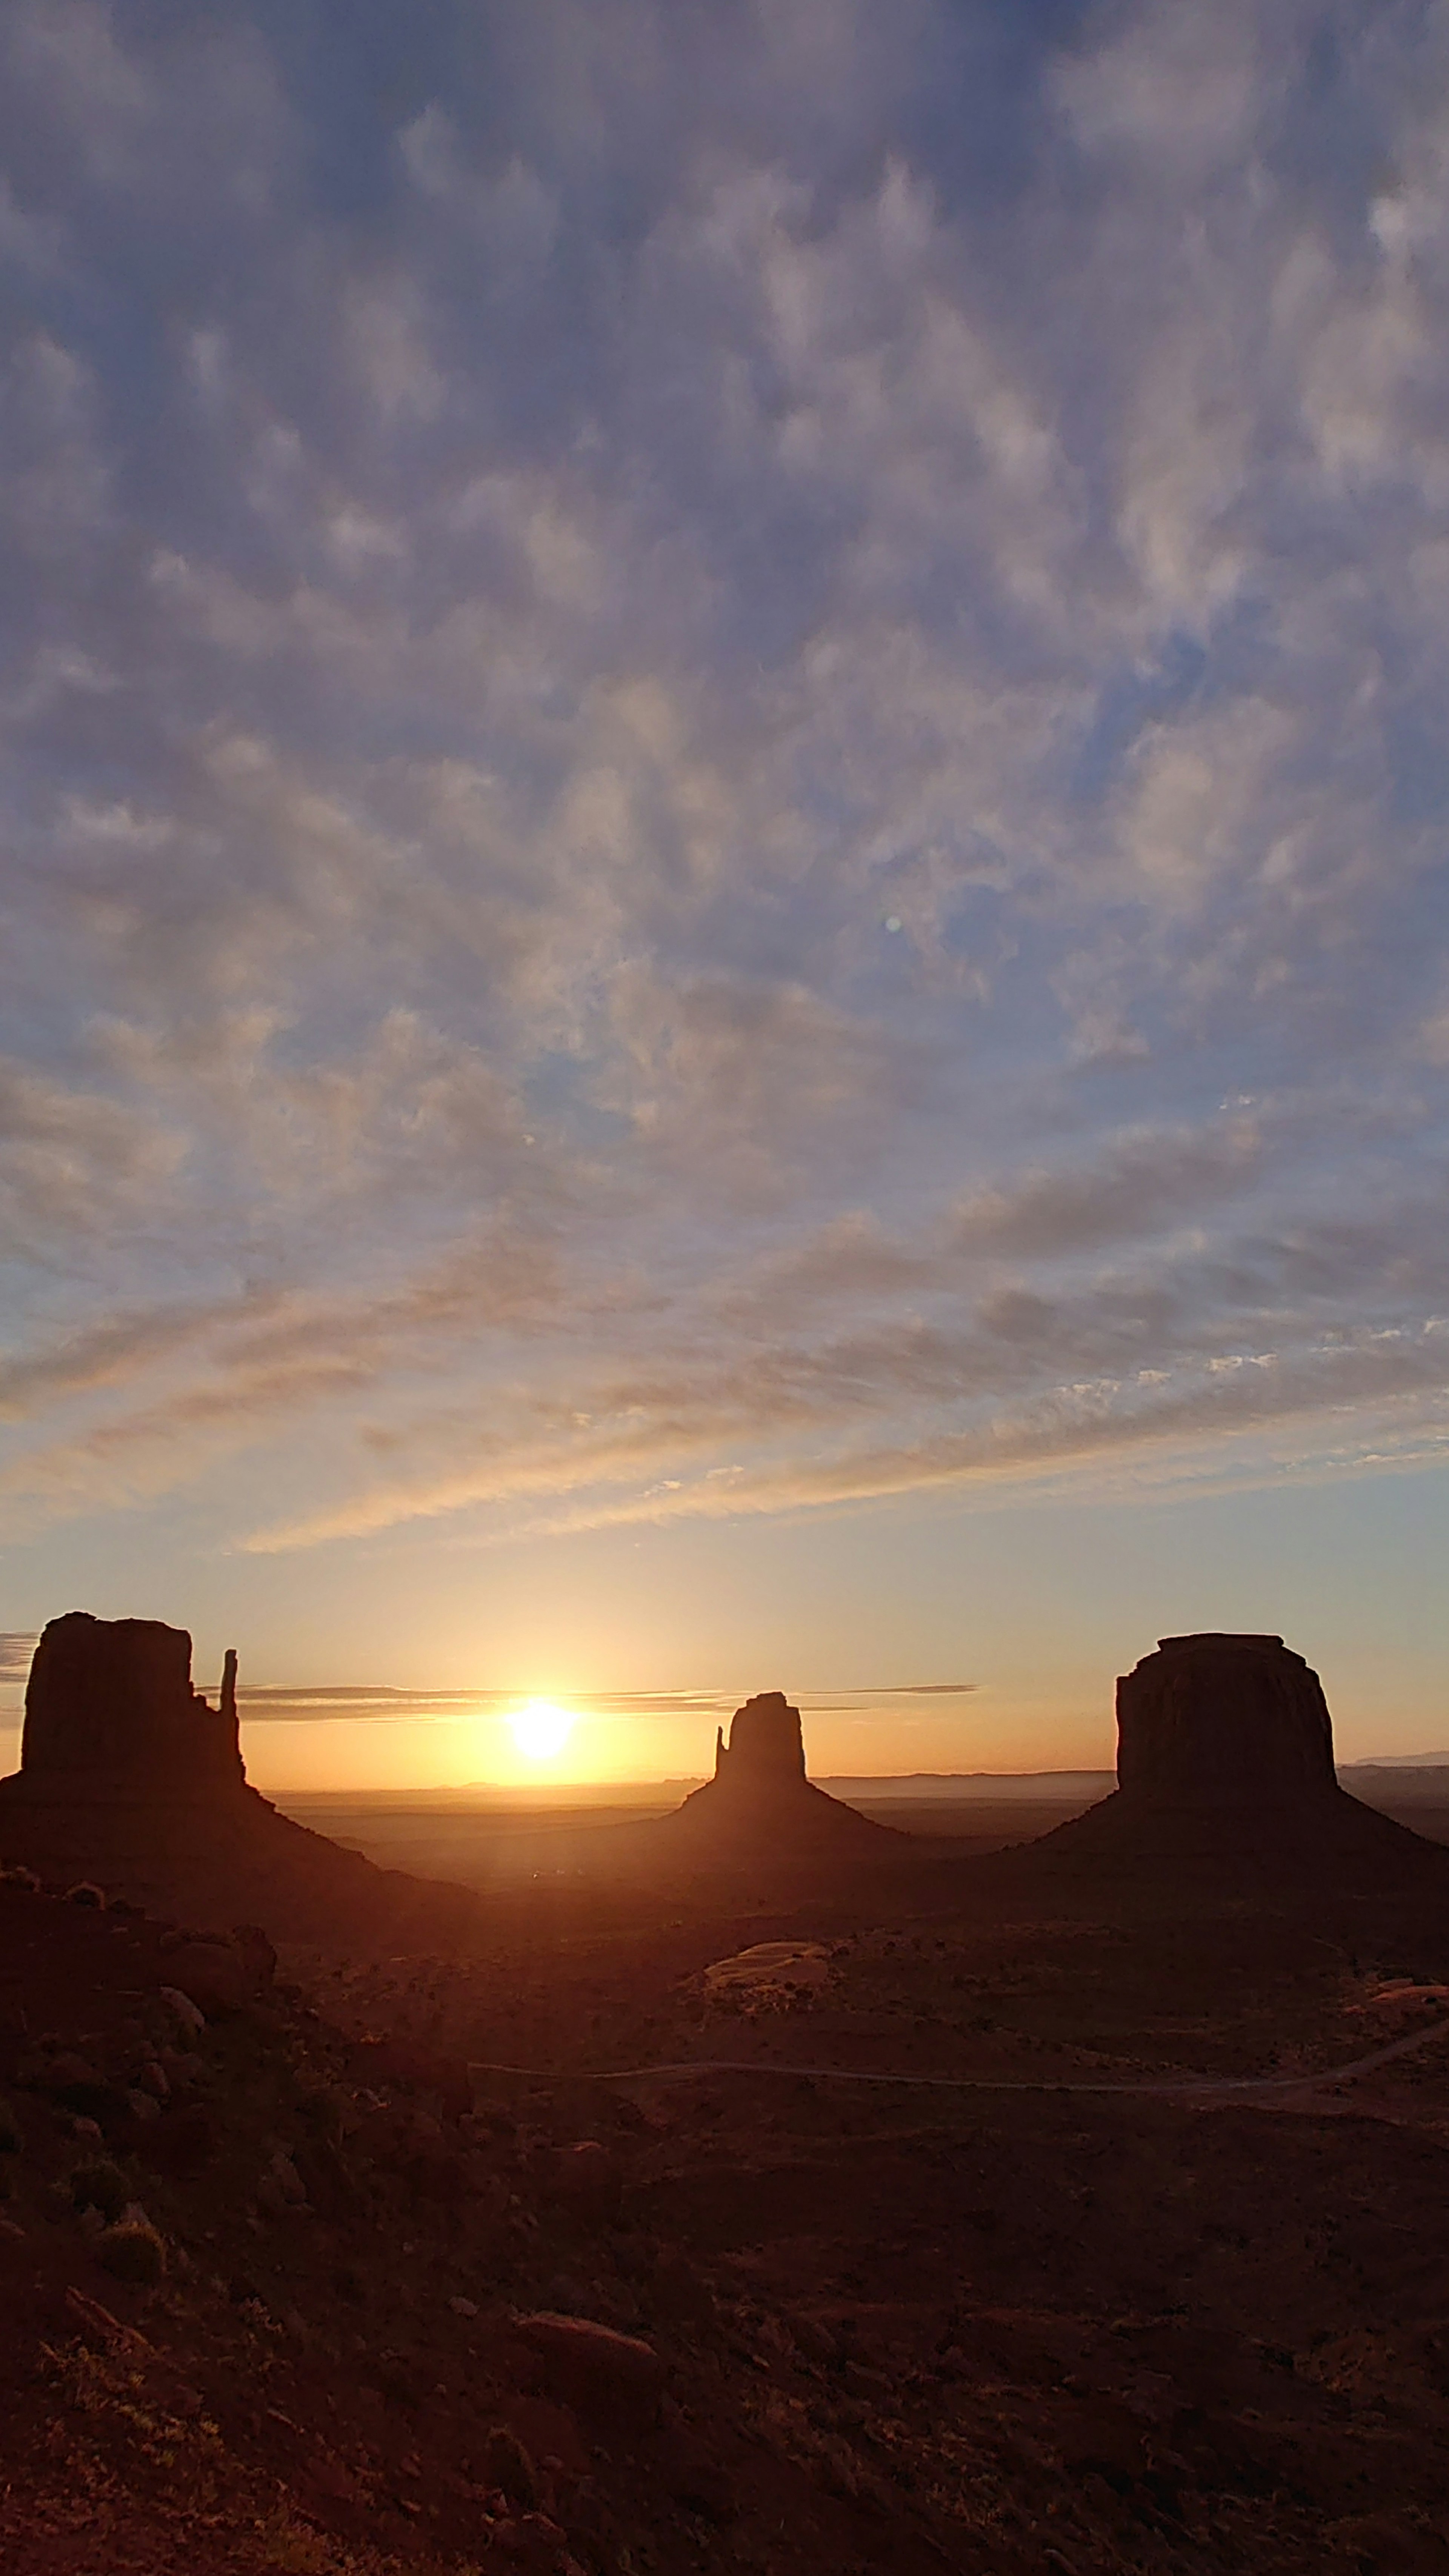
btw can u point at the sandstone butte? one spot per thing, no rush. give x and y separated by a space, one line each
130 1778
1225 1771
760 1799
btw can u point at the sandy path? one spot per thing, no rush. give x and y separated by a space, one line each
1198 2087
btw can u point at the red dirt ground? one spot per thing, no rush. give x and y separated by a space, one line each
889 2331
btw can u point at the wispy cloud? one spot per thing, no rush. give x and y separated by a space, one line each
306 1705
712 810
15 1654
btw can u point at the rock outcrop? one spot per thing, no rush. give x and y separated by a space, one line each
131 1779
1223 1721
110 1702
766 1745
1225 1770
760 1806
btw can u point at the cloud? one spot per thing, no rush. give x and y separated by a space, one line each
75 1164
15 1654
710 809
103 1354
1142 1185
1170 88
317 1704
1187 1344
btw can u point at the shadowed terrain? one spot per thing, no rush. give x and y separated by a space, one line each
992 2215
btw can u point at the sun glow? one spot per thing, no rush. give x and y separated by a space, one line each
540 1730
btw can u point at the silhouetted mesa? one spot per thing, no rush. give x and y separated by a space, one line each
129 1777
1225 1760
109 1703
767 1743
1213 1721
760 1805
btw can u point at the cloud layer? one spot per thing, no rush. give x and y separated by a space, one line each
724 783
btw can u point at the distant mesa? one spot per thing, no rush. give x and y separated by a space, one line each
129 1777
766 1745
1223 1721
109 1703
1225 1760
760 1803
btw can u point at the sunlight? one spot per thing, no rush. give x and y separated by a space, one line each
540 1730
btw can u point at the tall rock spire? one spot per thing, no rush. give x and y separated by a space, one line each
760 1806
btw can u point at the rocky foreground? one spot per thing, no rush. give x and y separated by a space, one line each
382 2264
287 2295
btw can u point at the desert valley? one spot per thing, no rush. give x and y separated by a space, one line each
724 1288
757 2186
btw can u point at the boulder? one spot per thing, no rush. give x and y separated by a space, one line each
281 2187
594 2368
184 2012
507 2466
216 1976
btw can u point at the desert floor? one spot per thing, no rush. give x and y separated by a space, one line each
1140 2278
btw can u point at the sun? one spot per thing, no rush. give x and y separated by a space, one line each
540 1730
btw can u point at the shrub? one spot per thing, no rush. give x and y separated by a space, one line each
133 2250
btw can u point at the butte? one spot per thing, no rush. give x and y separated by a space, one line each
129 1778
1225 1776
761 1809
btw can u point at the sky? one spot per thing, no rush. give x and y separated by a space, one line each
723 932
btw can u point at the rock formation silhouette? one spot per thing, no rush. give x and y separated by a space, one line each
130 1778
767 1744
760 1804
110 1702
1223 1721
1225 1769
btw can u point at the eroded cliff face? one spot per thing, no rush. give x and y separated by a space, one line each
760 1808
766 1743
1225 1780
131 1779
110 1701
1219 1720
